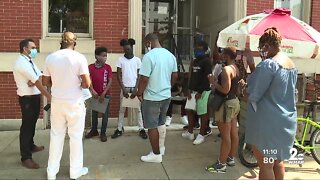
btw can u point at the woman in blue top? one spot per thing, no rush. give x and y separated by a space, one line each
271 123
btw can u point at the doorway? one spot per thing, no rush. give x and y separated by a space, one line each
172 21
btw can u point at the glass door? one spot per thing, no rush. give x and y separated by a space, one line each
158 17
172 21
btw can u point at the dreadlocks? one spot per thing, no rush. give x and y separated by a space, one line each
271 36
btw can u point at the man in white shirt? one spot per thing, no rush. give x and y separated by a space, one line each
28 80
66 71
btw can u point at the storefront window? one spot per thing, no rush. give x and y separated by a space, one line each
68 15
296 6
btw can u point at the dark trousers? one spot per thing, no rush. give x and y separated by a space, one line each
182 103
30 109
105 118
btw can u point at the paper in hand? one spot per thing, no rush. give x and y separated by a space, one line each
131 103
98 106
191 103
86 94
217 70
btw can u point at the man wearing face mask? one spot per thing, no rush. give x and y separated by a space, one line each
101 76
199 69
28 80
127 73
157 74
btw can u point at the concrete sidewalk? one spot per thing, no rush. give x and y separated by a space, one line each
120 159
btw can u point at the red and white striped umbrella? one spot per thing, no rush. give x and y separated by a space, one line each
298 38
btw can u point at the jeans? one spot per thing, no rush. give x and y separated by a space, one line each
105 118
30 109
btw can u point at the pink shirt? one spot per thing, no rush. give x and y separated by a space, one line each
100 77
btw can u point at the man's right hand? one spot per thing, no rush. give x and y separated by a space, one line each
125 93
95 95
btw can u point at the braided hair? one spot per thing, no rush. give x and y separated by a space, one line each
271 36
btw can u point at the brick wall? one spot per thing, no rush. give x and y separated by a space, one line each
18 20
9 104
315 14
110 23
257 6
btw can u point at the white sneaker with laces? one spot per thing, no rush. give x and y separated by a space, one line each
168 120
151 157
162 150
83 172
184 120
188 135
198 140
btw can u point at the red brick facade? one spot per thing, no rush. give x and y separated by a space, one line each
315 14
18 20
110 23
257 6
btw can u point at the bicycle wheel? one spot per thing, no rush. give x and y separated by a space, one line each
315 142
245 154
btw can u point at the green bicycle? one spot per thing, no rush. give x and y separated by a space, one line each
304 144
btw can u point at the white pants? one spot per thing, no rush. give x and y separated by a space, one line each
122 110
65 115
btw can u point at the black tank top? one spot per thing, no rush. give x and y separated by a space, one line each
233 89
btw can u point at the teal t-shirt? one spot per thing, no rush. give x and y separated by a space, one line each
158 64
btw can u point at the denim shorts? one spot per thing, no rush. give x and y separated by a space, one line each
154 113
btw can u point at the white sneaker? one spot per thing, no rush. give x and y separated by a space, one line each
188 135
51 177
83 172
184 120
199 139
151 157
162 150
168 120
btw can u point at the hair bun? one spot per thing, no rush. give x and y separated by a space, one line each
123 42
131 41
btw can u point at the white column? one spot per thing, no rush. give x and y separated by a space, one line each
135 32
135 24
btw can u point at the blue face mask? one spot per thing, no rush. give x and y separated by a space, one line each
33 53
199 53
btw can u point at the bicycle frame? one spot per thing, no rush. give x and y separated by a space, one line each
306 122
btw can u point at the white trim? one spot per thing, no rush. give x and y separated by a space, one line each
135 24
45 21
8 59
306 11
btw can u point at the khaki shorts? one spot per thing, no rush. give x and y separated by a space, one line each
232 110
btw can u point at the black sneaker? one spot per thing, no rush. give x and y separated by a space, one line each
217 167
143 134
92 134
214 123
116 134
208 132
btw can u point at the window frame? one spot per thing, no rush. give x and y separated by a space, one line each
306 10
45 21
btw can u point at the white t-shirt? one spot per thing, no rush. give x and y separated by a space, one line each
24 71
129 68
65 67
